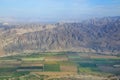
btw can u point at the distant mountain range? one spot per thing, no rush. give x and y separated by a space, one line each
27 20
100 35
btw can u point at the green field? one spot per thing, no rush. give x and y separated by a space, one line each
52 67
33 59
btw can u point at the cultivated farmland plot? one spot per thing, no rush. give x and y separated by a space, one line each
53 66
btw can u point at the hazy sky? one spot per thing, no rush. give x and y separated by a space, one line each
56 10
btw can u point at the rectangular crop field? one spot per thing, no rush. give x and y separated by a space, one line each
68 68
56 58
52 67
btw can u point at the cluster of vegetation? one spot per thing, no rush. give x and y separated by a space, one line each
52 67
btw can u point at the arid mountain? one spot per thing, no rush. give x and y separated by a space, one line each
93 35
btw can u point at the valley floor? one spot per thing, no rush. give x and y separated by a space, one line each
60 66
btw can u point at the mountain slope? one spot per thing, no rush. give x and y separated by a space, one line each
94 35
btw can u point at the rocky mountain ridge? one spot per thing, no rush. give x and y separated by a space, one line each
93 35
